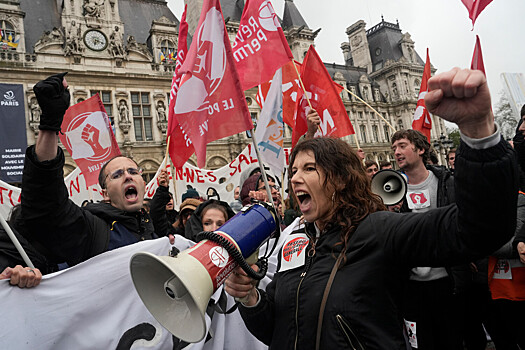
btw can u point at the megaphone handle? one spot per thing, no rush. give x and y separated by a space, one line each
252 259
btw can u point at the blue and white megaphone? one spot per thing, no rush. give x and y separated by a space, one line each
176 290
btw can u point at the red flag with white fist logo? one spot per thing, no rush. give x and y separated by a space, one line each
88 137
210 102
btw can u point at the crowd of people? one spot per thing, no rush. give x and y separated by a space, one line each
439 270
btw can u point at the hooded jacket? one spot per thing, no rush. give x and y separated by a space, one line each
194 223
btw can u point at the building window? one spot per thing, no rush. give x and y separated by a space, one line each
105 96
400 125
387 133
417 85
142 121
360 115
8 36
168 53
362 128
375 132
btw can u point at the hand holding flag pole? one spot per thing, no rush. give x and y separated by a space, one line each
304 91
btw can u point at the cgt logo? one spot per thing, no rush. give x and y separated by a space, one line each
9 99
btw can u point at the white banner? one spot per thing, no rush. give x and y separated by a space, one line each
94 305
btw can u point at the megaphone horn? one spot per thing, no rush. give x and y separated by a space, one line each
176 290
390 185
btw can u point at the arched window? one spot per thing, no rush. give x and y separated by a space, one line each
417 85
362 128
168 52
375 132
8 36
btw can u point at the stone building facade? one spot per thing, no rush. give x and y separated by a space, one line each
124 50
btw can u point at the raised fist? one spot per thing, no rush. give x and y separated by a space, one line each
53 97
90 135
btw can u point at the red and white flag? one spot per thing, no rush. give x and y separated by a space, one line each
291 91
325 99
180 147
270 128
477 57
88 137
475 7
210 102
260 47
422 117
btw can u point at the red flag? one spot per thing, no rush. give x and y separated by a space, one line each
477 58
180 147
422 117
210 102
475 7
325 99
260 47
88 137
291 91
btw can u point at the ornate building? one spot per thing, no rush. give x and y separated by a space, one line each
124 50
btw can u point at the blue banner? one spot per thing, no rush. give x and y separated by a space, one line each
13 137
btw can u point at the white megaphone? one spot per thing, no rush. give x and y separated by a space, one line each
390 185
176 290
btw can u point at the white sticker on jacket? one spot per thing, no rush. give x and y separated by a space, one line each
418 199
294 253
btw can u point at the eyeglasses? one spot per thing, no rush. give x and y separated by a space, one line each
263 188
117 174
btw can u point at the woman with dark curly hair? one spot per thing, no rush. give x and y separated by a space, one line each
340 276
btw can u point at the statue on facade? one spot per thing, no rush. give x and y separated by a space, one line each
35 110
123 111
93 8
161 112
115 43
73 43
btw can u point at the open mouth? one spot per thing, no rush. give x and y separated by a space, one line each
304 200
131 193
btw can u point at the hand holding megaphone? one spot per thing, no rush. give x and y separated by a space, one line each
242 287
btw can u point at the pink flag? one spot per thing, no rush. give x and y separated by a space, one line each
210 102
180 147
475 7
260 47
325 99
422 117
477 58
88 137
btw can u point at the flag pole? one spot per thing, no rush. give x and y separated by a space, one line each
356 142
15 241
376 112
168 160
263 172
304 91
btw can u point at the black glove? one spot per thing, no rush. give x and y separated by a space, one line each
53 99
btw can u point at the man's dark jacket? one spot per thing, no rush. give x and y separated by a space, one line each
362 307
63 231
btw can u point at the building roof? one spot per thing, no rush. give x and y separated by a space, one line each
232 9
137 16
384 43
292 17
39 19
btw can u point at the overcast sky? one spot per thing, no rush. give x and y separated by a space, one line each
441 25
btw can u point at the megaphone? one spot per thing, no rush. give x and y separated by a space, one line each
390 185
176 290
